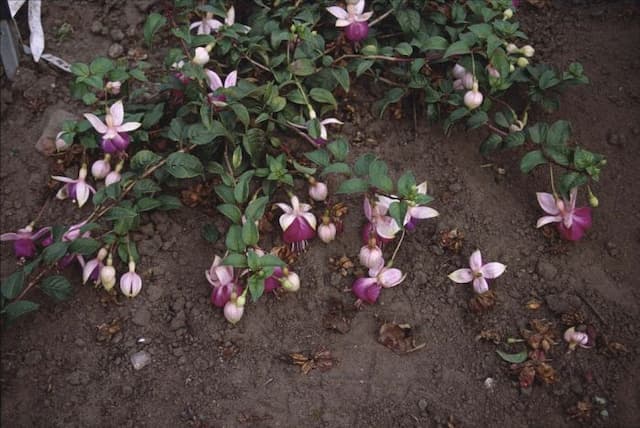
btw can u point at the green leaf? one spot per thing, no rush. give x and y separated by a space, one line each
210 233
378 176
13 285
232 212
143 159
559 132
269 260
323 96
319 157
353 185
518 358
153 116
256 287
241 191
363 66
84 246
55 251
570 180
184 165
241 113
303 169
398 211
435 43
147 204
89 98
489 145
146 185
482 31
404 49
538 132
458 48
138 74
302 67
101 65
584 158
235 260
250 234
57 286
409 20
342 77
119 213
362 164
80 69
406 184
255 209
336 168
514 139
154 22
339 149
532 160
16 309
234 241
477 119
169 202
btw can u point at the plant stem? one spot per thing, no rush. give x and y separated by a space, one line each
496 130
33 283
381 17
395 252
553 184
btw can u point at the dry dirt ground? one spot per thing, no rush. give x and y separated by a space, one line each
58 370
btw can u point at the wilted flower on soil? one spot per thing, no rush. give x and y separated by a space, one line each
24 240
93 267
572 221
115 137
353 19
478 273
215 83
367 289
576 338
384 226
78 190
130 282
297 223
222 279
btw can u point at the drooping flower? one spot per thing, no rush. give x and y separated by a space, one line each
415 212
354 19
473 98
234 308
492 71
24 240
115 137
209 24
572 221
215 83
327 230
113 87
222 280
114 176
101 168
383 226
528 51
371 255
93 267
297 223
201 56
108 275
478 273
130 282
324 134
576 338
74 232
367 289
273 282
78 190
318 190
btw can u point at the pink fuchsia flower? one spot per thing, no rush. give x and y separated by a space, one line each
354 19
371 255
78 190
74 232
384 226
572 221
115 137
234 308
222 280
415 212
367 289
327 231
478 273
209 24
576 338
113 87
130 282
215 83
492 71
24 240
93 267
297 223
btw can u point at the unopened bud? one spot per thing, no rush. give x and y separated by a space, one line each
318 191
593 200
327 232
528 51
522 62
512 49
291 282
507 14
201 56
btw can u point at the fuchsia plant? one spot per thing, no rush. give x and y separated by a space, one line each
115 137
297 223
368 289
572 221
78 190
380 224
130 282
215 83
223 281
354 19
24 240
478 273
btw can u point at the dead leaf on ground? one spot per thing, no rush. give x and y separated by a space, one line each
452 240
321 360
581 411
343 265
338 317
399 338
490 336
482 302
107 330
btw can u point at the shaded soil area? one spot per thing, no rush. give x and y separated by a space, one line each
62 366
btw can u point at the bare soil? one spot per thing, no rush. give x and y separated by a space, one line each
59 368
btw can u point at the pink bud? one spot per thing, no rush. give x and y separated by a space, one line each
492 72
473 99
371 257
233 312
113 87
318 191
130 282
327 232
101 168
201 56
112 177
576 338
291 282
458 71
458 85
61 145
468 80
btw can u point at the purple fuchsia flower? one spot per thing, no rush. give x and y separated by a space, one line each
572 221
381 226
215 83
130 282
415 211
24 240
223 281
93 267
115 137
273 282
353 18
297 223
78 190
367 289
71 235
478 273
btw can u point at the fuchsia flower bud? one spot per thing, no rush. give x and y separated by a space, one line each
459 71
468 80
492 71
61 145
114 176
371 255
327 230
576 338
290 282
24 240
473 98
201 56
528 51
318 191
130 282
101 168
113 87
234 309
297 223
108 275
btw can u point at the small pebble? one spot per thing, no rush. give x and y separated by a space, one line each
140 359
115 50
